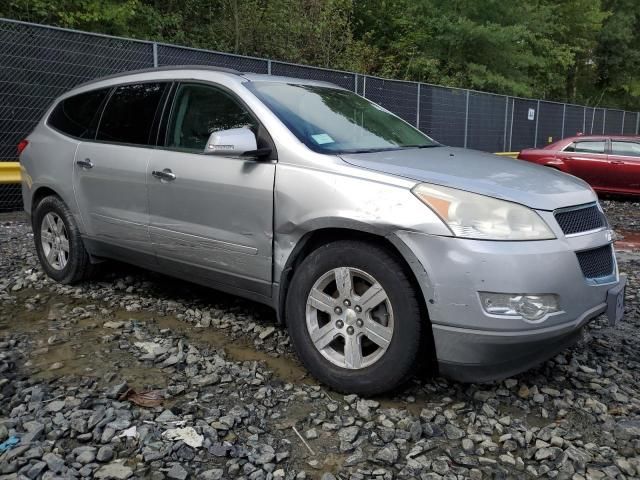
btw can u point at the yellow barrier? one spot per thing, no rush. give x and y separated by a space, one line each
508 154
9 172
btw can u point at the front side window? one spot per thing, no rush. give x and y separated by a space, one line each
629 149
589 146
198 111
78 115
129 113
331 120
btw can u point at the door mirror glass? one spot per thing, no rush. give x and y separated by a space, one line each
231 142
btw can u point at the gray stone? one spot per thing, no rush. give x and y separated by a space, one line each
388 454
36 469
177 472
105 453
54 462
55 406
349 434
114 471
627 429
452 432
213 474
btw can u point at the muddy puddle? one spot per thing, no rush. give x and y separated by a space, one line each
284 368
628 240
74 347
84 347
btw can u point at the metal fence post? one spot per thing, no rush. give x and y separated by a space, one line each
584 120
418 109
623 115
364 86
513 107
564 117
155 55
269 67
637 123
506 112
535 135
604 119
466 120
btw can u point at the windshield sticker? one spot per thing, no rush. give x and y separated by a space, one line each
322 138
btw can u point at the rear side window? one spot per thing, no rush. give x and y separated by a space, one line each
129 113
629 149
78 115
592 146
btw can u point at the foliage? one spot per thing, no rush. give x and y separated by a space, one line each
584 51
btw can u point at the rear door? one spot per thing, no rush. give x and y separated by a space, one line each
215 217
110 172
624 160
588 160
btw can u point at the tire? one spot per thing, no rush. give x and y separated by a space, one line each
379 369
53 220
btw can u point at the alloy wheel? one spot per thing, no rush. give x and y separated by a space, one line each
349 318
55 241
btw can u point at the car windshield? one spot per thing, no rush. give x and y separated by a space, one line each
331 120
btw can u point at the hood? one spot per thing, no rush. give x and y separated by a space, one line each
535 186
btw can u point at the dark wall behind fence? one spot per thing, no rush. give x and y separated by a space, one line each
39 63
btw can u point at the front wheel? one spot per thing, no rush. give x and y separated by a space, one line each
354 317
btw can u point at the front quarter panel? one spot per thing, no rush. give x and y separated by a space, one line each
309 199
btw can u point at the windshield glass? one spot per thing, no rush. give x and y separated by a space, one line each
330 120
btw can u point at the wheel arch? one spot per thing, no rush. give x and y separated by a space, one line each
392 243
40 193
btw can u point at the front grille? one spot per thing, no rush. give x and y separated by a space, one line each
597 262
579 220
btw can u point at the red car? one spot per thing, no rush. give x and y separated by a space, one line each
609 163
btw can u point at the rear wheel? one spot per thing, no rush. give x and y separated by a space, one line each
58 242
354 317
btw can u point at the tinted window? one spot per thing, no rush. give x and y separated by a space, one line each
630 149
78 115
592 146
128 116
200 110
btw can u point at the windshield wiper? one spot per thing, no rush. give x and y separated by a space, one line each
430 145
371 150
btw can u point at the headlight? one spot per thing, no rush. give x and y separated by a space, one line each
470 215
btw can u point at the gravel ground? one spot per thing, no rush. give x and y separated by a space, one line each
235 403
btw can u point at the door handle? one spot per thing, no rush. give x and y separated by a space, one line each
86 163
616 162
166 174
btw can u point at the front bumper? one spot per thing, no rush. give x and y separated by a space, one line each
472 345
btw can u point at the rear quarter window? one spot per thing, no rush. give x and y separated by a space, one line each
78 116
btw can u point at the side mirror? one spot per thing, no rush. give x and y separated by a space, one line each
233 142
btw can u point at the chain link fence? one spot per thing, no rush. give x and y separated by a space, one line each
38 63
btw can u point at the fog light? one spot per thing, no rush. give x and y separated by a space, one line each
529 307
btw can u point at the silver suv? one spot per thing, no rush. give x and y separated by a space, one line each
376 245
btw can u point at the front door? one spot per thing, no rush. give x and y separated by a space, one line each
211 215
109 176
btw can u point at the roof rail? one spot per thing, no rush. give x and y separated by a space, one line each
162 69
